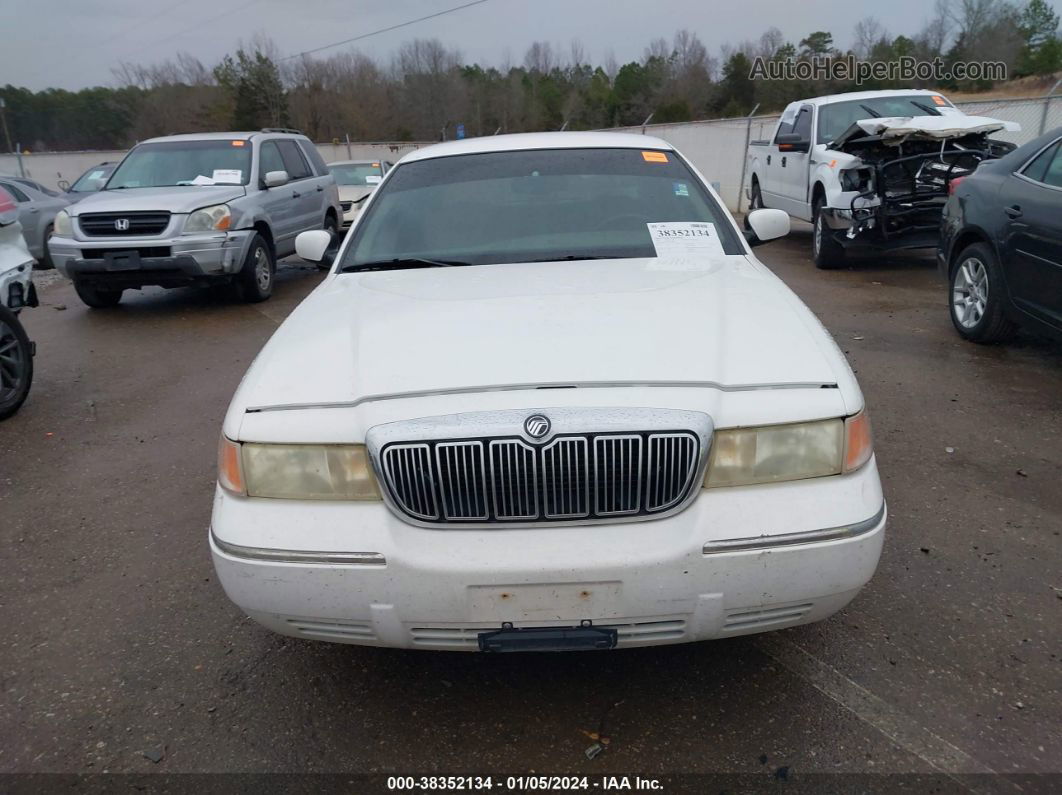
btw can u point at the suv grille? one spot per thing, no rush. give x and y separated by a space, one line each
123 224
571 477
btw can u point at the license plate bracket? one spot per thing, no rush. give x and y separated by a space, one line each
122 260
584 637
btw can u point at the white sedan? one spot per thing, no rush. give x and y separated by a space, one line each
546 399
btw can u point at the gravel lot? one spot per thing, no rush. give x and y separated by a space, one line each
122 654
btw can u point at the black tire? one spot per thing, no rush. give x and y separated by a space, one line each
255 280
331 226
45 262
755 196
16 363
97 297
976 296
825 250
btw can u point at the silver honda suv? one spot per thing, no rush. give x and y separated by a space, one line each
197 209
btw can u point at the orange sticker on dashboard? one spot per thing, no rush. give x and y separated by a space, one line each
238 143
654 157
939 100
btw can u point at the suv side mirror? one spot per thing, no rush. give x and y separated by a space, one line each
792 142
275 179
764 225
316 246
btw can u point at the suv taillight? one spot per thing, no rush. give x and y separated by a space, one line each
953 184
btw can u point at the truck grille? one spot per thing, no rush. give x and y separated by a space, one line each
572 477
123 224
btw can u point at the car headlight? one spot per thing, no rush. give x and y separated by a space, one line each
62 225
297 471
773 453
209 219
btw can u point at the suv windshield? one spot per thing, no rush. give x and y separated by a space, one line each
168 163
359 174
837 117
532 205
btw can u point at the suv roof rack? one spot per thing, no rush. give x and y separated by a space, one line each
288 130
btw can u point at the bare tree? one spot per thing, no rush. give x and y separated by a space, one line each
868 34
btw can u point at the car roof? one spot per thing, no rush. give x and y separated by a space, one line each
854 95
517 142
245 135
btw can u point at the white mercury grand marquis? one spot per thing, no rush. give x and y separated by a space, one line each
546 399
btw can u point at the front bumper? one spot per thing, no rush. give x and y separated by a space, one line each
365 576
350 216
16 287
172 261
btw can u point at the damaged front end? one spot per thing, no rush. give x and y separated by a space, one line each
894 192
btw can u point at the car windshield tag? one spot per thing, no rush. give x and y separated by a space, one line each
228 175
685 238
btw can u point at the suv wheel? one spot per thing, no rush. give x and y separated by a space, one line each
16 363
45 262
255 280
976 296
827 252
97 297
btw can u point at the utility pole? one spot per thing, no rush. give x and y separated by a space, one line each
3 117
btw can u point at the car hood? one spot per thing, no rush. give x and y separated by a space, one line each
183 199
359 336
894 129
349 193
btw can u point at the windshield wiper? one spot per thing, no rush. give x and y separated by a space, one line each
871 111
572 258
402 263
927 108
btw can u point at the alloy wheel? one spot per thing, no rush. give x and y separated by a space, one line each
969 293
12 363
263 273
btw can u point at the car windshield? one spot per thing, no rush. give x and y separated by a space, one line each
837 117
92 180
359 174
532 205
168 163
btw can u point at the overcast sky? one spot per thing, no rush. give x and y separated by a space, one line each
75 44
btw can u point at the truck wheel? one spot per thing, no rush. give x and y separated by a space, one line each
976 296
255 280
16 363
45 262
827 252
97 297
755 197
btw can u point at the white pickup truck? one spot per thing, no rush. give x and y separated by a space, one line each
869 169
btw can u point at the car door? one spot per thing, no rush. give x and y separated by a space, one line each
794 165
323 181
278 202
29 215
307 201
1032 235
772 186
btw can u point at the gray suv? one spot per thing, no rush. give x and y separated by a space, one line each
198 209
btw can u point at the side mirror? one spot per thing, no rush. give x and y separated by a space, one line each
792 142
315 246
762 225
63 185
275 179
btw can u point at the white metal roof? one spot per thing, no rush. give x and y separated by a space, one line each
855 95
546 140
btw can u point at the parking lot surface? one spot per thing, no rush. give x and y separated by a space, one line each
121 652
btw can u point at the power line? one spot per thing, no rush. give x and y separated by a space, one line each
384 30
198 24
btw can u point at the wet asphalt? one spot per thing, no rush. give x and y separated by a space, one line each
122 654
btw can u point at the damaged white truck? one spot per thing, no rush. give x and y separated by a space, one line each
869 169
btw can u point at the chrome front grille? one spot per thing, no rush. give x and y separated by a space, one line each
570 478
123 224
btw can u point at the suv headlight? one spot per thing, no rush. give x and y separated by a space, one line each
62 225
209 219
297 471
773 453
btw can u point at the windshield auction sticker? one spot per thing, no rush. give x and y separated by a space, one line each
684 239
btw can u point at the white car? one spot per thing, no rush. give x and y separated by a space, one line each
16 293
546 398
356 179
